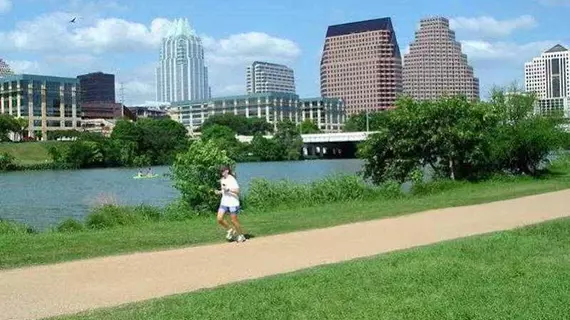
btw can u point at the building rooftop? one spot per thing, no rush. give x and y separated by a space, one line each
277 95
359 26
17 77
365 26
556 48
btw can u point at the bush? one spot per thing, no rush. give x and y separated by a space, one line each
70 225
196 174
13 228
109 216
6 161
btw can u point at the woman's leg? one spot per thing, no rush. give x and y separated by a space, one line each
221 221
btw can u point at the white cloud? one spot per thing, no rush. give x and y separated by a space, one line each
24 66
94 43
489 26
5 6
504 51
244 48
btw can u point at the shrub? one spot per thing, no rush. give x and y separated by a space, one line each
196 175
109 216
6 161
70 225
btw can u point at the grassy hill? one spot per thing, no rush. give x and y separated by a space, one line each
28 153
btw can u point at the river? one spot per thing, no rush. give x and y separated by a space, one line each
41 199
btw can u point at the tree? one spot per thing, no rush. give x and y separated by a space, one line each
460 139
357 123
8 124
239 124
263 149
196 174
308 127
289 140
523 139
6 161
225 138
448 134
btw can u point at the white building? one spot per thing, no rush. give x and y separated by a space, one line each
5 69
182 74
265 77
548 76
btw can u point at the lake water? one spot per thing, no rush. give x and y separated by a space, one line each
44 198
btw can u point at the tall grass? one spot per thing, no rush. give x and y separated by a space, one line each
14 228
264 194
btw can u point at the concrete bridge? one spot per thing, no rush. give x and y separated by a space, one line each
327 145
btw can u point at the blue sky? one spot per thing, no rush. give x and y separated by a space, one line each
123 36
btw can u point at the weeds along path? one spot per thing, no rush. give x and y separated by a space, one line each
43 291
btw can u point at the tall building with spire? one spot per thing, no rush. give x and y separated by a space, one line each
182 73
435 65
5 69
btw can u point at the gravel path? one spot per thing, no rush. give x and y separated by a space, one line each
43 291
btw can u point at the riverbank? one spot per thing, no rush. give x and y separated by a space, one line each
19 249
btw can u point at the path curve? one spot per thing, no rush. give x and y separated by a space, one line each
43 291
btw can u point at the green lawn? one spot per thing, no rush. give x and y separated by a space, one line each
20 250
520 274
27 153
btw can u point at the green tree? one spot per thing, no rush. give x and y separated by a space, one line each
308 127
8 124
263 149
357 123
239 124
289 140
449 135
196 174
523 139
225 138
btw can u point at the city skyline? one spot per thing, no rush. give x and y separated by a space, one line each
123 37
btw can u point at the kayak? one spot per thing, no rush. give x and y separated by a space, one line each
147 176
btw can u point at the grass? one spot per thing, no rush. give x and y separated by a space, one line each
28 153
519 274
30 249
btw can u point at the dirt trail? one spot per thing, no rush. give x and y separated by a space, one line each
66 288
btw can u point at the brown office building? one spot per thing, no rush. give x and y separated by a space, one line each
435 65
361 64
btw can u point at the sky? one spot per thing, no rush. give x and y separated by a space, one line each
123 36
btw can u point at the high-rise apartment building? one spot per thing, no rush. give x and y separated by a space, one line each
435 65
5 69
48 103
361 64
269 77
96 87
182 73
548 76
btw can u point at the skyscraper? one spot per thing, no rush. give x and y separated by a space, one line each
182 73
361 64
436 66
97 87
548 76
5 69
270 77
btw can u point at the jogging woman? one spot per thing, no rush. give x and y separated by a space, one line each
230 204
